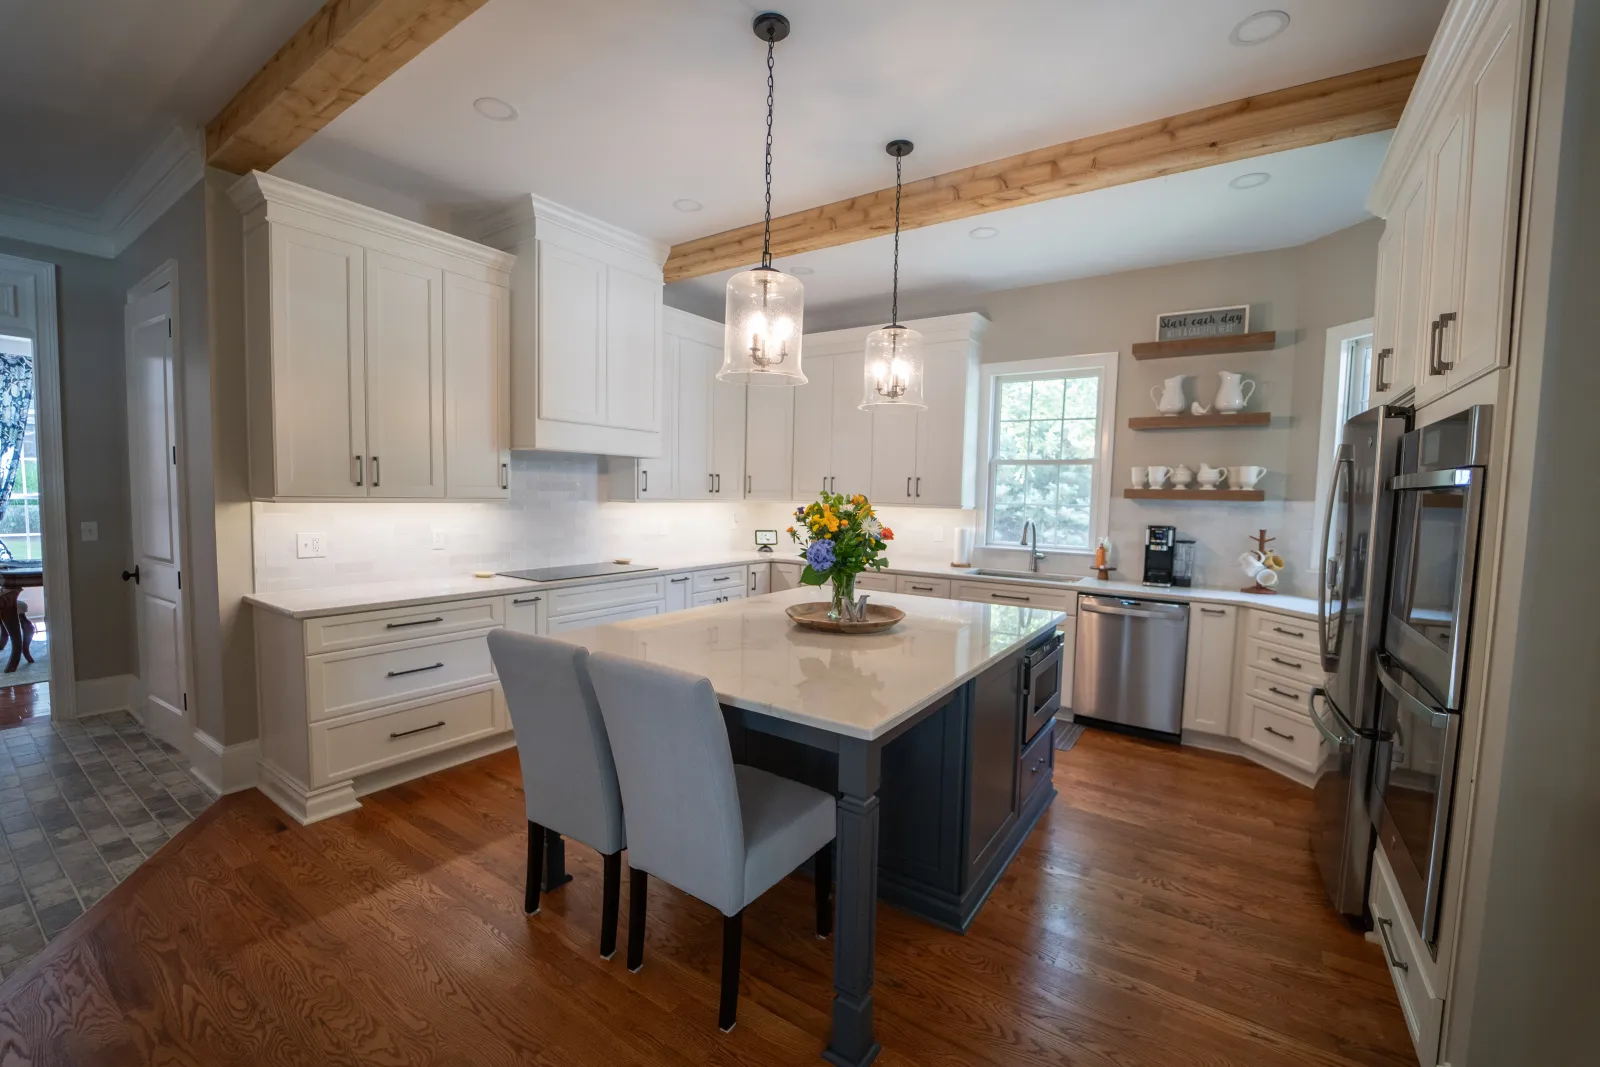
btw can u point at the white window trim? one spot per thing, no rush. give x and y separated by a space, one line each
1106 364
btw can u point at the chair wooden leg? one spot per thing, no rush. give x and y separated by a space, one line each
530 898
822 868
732 942
555 861
610 897
638 890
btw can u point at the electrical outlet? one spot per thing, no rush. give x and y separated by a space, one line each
311 545
438 540
89 531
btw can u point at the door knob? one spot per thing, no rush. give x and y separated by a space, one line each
133 574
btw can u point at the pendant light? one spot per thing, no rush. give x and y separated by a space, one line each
893 369
766 307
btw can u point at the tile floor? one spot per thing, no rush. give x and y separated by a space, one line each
82 804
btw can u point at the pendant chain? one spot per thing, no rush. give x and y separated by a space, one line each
766 236
894 300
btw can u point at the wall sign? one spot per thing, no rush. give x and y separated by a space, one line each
1204 322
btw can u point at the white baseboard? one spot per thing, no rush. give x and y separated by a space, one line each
97 696
224 768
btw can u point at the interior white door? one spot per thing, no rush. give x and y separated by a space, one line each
405 378
477 388
769 444
697 368
852 432
633 350
157 547
813 428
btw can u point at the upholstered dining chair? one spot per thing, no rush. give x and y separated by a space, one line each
721 832
568 776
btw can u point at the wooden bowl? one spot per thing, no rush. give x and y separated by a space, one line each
880 617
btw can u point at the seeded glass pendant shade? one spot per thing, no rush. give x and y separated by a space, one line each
765 314
892 373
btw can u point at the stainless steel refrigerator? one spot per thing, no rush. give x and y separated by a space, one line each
1353 585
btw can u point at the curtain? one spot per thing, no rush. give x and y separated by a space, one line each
16 397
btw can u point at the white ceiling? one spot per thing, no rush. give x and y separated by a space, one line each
89 88
1195 215
628 105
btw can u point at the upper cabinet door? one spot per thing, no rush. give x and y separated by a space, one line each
1443 304
633 351
728 405
315 383
405 378
813 428
1381 379
656 477
477 388
946 431
697 369
894 455
1493 197
769 444
853 432
572 336
1410 336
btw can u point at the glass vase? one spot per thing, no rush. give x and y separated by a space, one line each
844 592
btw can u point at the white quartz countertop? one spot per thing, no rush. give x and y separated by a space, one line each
857 686
337 600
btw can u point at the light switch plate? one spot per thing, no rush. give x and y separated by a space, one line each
89 531
311 545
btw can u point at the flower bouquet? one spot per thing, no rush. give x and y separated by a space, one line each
841 538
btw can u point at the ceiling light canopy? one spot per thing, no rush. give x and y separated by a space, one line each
801 272
1255 179
892 373
982 233
686 204
1260 28
495 109
765 311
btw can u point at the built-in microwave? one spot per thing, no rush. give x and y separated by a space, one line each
1422 664
1041 686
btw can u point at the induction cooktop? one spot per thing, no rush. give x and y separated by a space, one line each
575 570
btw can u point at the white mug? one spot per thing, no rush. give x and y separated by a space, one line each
1247 477
1158 476
1140 476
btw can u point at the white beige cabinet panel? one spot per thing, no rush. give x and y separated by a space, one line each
572 322
1442 304
360 744
813 428
1209 668
786 575
1285 662
1407 959
477 388
335 633
633 340
1015 595
720 580
947 430
874 583
573 599
342 683
760 583
769 443
713 596
527 613
1411 324
917 586
894 456
1290 738
678 591
586 619
405 378
1284 693
1285 630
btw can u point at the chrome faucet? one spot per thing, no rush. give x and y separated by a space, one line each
1035 556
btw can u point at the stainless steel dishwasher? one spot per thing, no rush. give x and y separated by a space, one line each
1130 661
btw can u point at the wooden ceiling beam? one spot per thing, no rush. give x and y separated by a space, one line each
342 53
1366 101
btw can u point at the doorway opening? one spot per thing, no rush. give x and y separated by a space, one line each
24 622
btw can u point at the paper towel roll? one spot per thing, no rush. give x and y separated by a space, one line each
963 556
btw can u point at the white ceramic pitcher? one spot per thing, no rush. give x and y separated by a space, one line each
1168 397
1234 392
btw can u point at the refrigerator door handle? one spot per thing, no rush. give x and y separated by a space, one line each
1334 733
1330 660
1433 716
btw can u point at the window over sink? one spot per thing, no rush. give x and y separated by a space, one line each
1047 441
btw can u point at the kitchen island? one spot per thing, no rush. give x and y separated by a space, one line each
934 735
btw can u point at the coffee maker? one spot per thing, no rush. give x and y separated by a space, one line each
1160 554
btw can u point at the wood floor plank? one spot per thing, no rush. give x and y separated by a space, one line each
1165 911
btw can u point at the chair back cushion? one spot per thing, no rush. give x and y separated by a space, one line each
567 771
679 795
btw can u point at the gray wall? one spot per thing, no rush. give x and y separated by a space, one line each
90 293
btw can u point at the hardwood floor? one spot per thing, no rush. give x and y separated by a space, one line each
19 703
1166 911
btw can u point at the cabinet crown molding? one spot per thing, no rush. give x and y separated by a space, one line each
519 220
257 192
1459 32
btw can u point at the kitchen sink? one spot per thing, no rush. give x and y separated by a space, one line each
1030 576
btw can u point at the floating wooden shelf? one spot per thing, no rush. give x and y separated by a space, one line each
1206 346
1194 494
1200 422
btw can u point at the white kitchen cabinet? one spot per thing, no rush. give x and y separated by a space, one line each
477 391
1209 669
832 435
1410 964
1381 381
603 616
527 613
769 443
1411 330
1443 270
587 370
786 574
711 426
868 582
356 325
915 585
1069 655
678 591
714 596
760 583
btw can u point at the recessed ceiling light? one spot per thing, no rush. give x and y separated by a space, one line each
1259 28
983 233
801 272
1252 180
494 109
687 205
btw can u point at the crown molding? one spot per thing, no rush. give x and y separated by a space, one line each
167 171
519 220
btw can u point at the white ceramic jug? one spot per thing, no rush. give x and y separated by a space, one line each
1210 476
1233 394
1169 396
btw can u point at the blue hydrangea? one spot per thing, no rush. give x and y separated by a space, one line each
820 555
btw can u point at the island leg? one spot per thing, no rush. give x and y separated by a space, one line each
855 933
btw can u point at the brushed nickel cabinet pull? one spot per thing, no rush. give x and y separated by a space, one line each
361 472
1444 323
415 670
1388 949
1289 663
413 622
1280 692
1276 733
418 730
1291 633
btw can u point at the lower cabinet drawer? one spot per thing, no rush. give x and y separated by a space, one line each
714 596
1036 763
1283 661
359 744
721 580
343 683
335 633
1280 692
1297 634
1291 738
939 587
1405 956
576 599
875 583
1015 595
583 620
